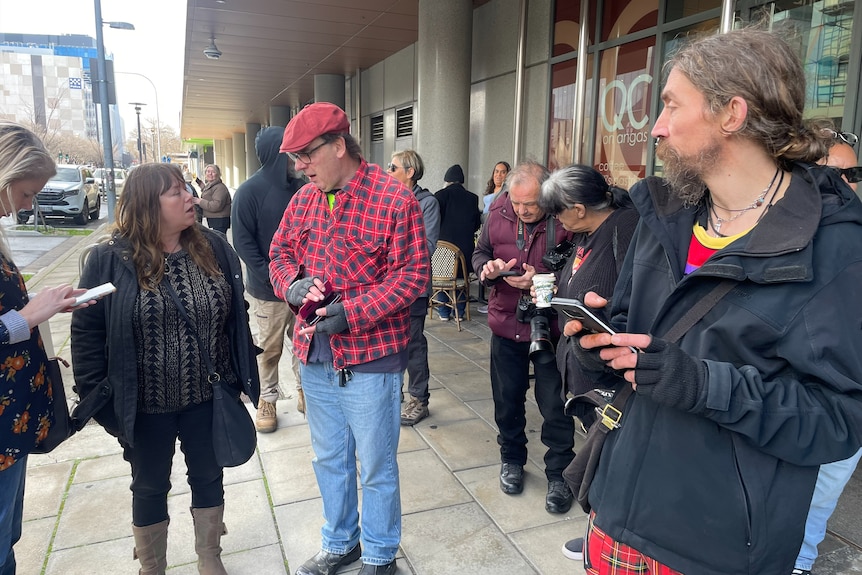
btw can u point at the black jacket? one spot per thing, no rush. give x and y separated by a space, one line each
258 207
724 489
460 217
103 342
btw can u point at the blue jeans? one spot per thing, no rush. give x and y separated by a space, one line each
360 420
831 480
461 306
11 512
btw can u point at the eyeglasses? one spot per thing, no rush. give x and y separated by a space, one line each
390 167
847 137
305 157
853 175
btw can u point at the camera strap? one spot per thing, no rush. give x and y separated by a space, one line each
550 235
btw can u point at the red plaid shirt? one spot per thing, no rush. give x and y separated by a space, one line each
371 247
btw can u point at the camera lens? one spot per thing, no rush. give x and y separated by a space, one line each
541 346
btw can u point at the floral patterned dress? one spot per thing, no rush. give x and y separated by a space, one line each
25 391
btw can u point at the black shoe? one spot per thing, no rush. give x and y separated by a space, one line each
329 563
388 569
559 497
512 478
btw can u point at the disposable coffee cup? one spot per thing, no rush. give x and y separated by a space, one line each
544 284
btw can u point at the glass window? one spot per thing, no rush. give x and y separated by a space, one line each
623 120
622 18
562 113
677 9
566 17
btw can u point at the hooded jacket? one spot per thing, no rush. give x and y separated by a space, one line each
258 207
724 489
460 217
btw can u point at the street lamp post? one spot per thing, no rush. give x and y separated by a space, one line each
153 137
158 120
137 106
107 140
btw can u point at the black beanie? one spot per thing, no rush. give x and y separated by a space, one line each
454 174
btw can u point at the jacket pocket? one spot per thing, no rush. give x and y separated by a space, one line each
359 261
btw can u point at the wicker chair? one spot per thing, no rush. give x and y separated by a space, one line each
447 263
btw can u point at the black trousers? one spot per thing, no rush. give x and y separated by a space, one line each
510 368
220 224
152 455
417 352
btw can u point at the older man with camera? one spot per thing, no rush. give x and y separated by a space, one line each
518 241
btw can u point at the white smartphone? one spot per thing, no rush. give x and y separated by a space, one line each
97 292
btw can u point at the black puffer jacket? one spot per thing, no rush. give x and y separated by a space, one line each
103 342
257 209
725 489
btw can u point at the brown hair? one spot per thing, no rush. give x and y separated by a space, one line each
760 67
139 222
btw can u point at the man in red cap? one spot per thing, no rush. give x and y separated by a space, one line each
356 233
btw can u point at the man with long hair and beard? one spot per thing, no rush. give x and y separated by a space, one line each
712 467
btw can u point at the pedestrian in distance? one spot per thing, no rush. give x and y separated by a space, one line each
26 400
407 167
256 212
712 466
351 247
215 200
160 360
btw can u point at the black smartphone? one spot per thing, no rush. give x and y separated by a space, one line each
510 273
575 309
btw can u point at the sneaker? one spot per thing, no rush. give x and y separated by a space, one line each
444 318
266 420
482 308
511 478
414 412
800 572
574 549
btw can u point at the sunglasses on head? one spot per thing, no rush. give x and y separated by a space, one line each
847 137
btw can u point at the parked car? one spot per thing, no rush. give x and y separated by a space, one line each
119 180
72 192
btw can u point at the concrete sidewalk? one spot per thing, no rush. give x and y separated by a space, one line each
455 518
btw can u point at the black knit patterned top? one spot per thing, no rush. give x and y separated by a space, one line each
172 373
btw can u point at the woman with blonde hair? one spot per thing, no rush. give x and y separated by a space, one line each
215 200
177 322
26 400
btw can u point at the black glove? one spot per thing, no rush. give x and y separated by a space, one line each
299 290
669 376
335 320
590 362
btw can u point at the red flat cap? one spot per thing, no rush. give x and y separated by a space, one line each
312 121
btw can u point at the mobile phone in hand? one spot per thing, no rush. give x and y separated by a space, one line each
590 320
97 292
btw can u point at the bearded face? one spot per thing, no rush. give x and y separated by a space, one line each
685 172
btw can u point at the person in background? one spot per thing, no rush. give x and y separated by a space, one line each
360 231
215 200
256 211
832 477
137 340
495 184
459 219
721 440
492 190
515 237
407 167
603 220
26 402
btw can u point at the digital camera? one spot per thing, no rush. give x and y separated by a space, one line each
557 257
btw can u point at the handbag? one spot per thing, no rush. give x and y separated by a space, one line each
234 435
62 428
581 471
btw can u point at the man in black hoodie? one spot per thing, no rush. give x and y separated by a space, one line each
258 207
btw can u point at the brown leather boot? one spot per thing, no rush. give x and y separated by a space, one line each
209 528
151 548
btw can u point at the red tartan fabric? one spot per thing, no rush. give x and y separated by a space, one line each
371 247
604 556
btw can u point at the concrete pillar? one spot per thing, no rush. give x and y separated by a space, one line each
329 88
228 168
238 159
279 115
443 63
252 163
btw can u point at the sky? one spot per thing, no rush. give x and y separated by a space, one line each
155 48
